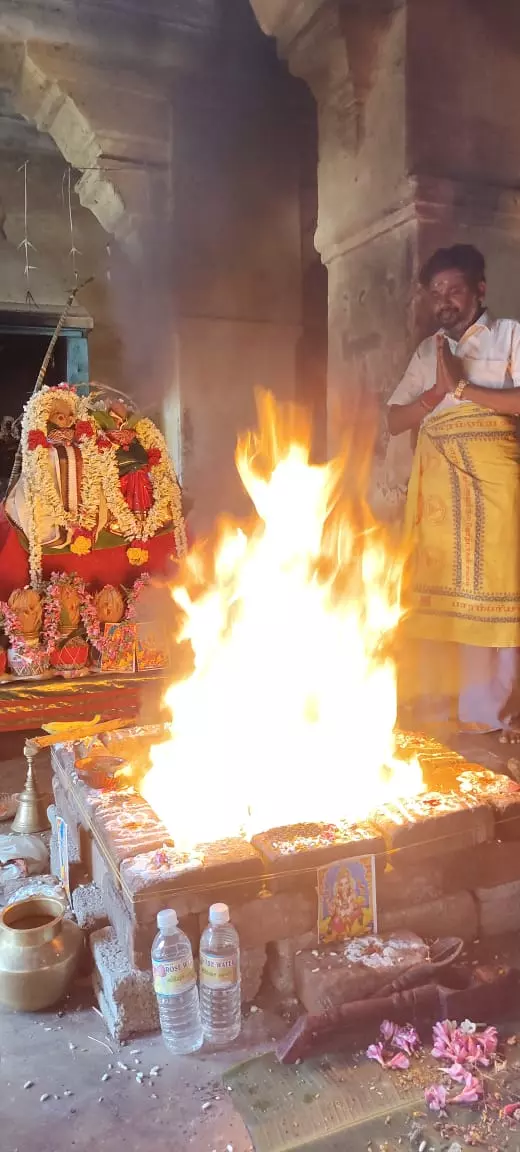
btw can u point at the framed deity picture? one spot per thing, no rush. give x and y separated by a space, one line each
119 643
153 652
347 899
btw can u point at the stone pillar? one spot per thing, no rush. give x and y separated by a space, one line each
413 153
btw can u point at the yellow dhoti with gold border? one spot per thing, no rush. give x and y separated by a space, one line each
462 581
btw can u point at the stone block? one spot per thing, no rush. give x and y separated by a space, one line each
227 870
135 939
126 825
454 915
275 917
507 816
99 866
79 839
280 961
499 908
89 908
431 826
252 965
402 883
326 977
66 812
486 866
125 995
290 850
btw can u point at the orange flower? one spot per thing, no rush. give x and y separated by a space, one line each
137 555
81 545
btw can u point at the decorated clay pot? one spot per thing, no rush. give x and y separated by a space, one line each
39 952
27 605
33 662
110 605
70 608
70 656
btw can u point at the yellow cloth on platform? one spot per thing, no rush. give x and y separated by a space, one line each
462 580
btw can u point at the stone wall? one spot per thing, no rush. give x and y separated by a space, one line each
187 207
413 153
237 259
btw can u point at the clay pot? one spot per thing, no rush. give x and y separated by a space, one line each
110 605
39 952
32 663
71 656
28 607
70 609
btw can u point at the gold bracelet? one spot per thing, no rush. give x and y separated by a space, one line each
460 389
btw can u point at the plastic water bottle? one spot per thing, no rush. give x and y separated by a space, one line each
219 975
175 986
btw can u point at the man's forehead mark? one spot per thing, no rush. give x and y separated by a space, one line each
444 281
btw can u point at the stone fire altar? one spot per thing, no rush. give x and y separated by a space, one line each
447 864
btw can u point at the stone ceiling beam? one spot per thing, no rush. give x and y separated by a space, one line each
144 34
97 77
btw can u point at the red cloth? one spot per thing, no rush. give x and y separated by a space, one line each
103 566
137 490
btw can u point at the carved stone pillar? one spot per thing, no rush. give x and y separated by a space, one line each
412 154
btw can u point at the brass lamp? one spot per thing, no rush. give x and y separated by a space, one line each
31 815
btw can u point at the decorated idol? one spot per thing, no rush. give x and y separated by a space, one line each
97 483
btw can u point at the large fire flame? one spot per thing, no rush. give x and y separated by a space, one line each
289 713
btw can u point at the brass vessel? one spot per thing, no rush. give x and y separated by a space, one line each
39 953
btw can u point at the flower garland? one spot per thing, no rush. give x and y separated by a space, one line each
166 490
140 584
100 483
42 496
12 628
52 610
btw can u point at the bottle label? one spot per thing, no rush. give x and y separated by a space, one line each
218 971
171 977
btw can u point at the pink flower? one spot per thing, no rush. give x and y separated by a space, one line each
375 1052
511 1111
457 1073
442 1034
406 1039
488 1039
471 1092
388 1030
435 1097
399 1061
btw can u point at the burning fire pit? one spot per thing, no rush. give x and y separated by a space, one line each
282 756
446 863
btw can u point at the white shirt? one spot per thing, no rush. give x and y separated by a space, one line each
490 351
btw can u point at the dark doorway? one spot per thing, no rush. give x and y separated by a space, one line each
21 356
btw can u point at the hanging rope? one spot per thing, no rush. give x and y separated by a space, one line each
73 252
26 243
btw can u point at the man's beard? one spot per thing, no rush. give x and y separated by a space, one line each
449 319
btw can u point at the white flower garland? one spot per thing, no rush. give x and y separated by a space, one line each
100 477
